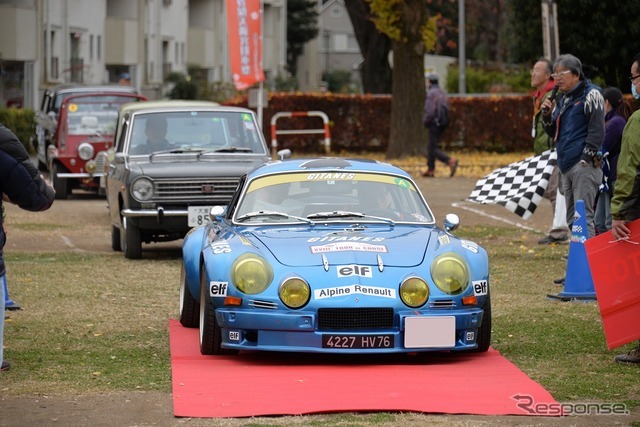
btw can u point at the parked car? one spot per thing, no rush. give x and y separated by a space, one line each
85 130
333 255
50 104
173 161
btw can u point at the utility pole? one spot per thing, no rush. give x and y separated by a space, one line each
462 58
550 38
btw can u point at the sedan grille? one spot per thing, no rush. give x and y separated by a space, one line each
353 319
218 190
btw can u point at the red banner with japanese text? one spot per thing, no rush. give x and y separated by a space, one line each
244 31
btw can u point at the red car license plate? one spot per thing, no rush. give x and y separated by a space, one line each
357 341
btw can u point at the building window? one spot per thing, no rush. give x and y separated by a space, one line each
99 48
91 48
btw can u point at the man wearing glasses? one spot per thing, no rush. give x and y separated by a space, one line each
625 205
576 122
543 83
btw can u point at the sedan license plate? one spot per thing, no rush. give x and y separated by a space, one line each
198 215
357 341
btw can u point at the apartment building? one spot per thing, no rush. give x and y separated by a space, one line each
44 43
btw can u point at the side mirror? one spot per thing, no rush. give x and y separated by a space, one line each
451 222
216 211
284 154
120 158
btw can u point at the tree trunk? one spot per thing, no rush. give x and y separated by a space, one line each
374 47
408 135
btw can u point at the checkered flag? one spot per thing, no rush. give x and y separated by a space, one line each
518 187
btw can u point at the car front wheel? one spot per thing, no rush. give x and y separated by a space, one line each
132 240
61 185
116 245
189 308
210 333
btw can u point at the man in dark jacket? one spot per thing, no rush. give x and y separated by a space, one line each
19 187
436 97
577 126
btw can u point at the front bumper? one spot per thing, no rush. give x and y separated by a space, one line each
159 212
297 332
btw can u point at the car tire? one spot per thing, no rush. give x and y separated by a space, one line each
61 185
484 333
116 244
132 240
189 308
210 333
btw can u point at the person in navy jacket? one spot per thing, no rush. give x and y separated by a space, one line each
576 122
18 186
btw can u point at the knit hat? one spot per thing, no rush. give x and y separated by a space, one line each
433 77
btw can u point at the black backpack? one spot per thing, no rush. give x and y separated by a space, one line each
442 118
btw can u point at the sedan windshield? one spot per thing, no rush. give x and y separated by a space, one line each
202 132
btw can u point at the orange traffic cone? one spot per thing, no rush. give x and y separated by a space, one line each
578 284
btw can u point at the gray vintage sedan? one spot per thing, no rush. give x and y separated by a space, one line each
173 161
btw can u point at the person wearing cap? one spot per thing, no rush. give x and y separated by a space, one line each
617 112
625 204
543 84
435 97
575 120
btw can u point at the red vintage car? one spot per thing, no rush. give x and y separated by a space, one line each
84 132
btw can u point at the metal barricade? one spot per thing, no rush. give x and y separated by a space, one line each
274 132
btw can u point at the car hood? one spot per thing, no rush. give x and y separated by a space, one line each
190 166
399 247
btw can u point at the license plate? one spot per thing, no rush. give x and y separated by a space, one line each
198 215
430 332
357 341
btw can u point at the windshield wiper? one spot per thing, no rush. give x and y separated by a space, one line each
272 213
347 214
233 150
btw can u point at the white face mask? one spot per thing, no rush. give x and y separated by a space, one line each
635 93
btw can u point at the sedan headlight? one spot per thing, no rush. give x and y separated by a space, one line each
251 273
414 292
295 292
450 273
85 151
142 189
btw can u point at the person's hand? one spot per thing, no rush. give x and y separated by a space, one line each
619 229
547 107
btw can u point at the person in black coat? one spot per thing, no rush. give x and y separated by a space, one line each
18 186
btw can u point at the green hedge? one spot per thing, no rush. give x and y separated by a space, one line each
22 122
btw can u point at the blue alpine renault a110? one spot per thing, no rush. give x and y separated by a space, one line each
333 255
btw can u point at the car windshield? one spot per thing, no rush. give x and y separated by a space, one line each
202 132
94 115
332 197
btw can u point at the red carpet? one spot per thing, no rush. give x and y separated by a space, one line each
266 383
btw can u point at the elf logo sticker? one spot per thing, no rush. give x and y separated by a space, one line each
218 289
354 270
480 287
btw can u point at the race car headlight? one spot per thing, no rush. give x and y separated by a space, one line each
142 189
85 151
295 292
450 273
414 292
251 273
